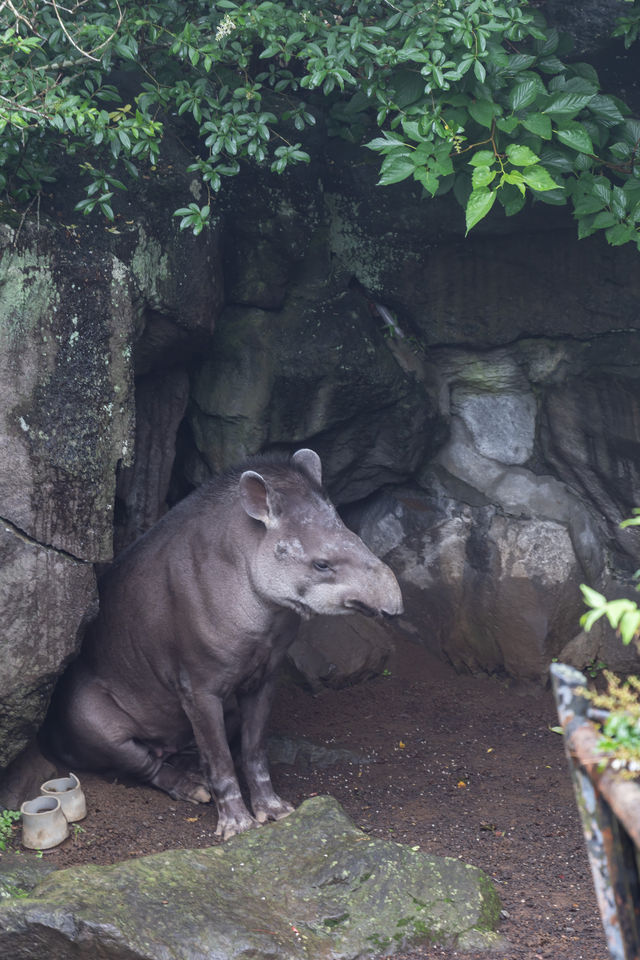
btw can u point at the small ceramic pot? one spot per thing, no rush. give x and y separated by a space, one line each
69 792
44 825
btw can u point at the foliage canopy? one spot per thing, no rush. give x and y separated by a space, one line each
476 96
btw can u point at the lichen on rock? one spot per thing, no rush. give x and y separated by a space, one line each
310 886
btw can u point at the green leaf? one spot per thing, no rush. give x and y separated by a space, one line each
587 620
551 65
606 109
538 178
629 625
515 178
615 610
521 155
412 129
394 169
480 71
574 135
270 51
383 144
548 42
482 158
621 233
539 124
520 61
515 204
512 199
591 597
567 104
482 176
523 94
478 206
483 112
619 202
409 87
428 180
586 205
604 219
508 124
602 189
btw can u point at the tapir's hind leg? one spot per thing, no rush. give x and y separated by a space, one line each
97 735
181 784
181 776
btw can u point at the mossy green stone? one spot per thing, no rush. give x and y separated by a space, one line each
310 886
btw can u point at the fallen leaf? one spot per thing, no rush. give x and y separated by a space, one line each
191 819
401 744
461 784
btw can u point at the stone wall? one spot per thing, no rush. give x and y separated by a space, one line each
76 308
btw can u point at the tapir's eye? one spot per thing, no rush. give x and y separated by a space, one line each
322 565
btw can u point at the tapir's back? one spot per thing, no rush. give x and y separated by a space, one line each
146 593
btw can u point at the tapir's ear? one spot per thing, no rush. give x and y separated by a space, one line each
309 461
254 496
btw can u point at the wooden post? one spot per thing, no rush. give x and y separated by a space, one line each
610 813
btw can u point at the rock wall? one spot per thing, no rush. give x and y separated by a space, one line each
81 311
475 403
66 324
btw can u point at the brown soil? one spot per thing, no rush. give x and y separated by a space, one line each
461 766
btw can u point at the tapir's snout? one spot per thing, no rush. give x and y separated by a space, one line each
389 614
380 597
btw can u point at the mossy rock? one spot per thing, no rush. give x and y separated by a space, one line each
310 886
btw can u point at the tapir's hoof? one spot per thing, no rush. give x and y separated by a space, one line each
229 826
200 795
273 811
190 791
181 786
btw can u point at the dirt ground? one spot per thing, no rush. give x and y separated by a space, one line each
462 766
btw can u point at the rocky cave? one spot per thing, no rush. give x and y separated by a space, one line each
474 401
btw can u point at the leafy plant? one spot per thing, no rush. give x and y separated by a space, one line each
7 820
621 727
478 97
594 667
621 700
623 614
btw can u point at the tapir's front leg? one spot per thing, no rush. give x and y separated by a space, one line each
254 709
206 713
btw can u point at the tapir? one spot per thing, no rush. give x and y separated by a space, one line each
195 617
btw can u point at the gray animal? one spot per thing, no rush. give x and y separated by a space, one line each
195 617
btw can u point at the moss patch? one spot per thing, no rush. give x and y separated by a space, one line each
312 885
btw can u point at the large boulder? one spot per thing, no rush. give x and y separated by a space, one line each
82 312
46 597
318 372
339 651
310 885
66 321
493 544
